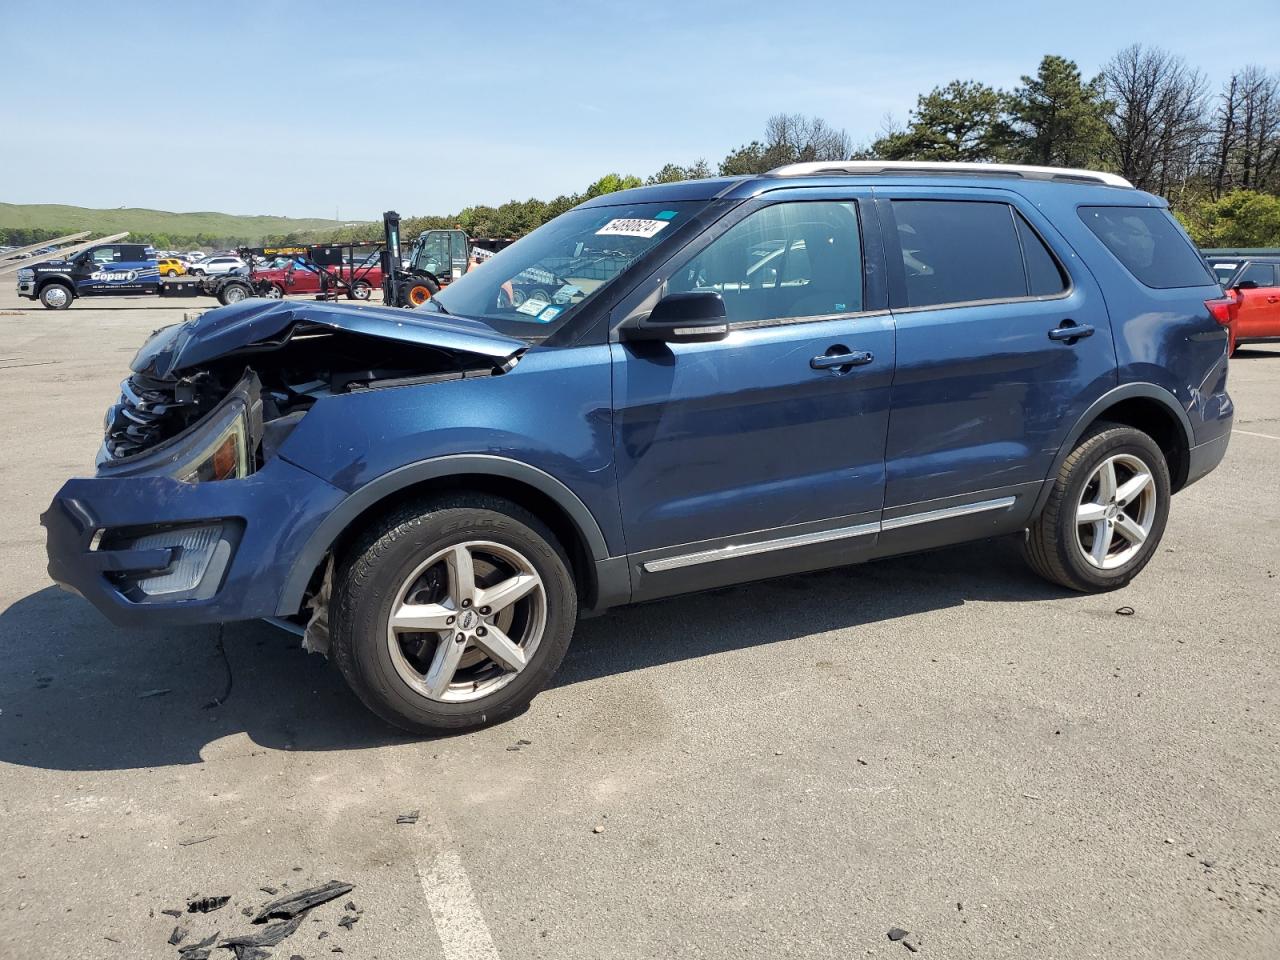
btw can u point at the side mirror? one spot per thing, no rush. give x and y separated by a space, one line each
1246 285
694 317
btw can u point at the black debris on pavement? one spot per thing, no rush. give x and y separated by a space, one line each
349 920
351 905
323 934
270 890
179 934
267 937
172 913
524 743
410 817
147 694
206 904
199 950
192 841
897 933
512 749
295 903
251 953
1125 611
913 947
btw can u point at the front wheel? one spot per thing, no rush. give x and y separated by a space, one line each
360 290
1106 513
452 613
56 296
171 273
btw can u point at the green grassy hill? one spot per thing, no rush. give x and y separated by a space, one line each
58 218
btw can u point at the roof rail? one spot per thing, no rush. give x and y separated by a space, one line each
938 168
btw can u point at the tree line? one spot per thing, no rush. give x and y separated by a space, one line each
1148 115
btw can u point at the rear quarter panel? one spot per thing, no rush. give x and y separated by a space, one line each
1163 337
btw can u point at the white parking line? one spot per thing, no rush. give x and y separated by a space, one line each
1250 433
459 923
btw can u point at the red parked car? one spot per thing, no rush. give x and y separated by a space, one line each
294 279
1254 313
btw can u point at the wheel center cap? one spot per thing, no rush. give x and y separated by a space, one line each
468 620
1113 511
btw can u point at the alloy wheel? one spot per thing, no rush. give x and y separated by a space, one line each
466 621
1116 511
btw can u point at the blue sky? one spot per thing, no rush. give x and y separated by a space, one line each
304 109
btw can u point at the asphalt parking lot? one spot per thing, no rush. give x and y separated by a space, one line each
942 744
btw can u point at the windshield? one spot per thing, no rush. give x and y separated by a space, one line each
535 285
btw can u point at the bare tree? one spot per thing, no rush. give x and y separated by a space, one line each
1246 133
1159 126
789 138
806 138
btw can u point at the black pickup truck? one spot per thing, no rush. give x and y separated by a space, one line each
120 269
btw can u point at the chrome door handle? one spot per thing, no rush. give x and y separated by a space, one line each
830 360
1070 331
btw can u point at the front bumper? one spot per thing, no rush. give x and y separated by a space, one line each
27 288
272 512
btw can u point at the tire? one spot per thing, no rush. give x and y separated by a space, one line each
171 273
56 296
1060 542
360 291
275 292
234 293
196 272
419 292
409 554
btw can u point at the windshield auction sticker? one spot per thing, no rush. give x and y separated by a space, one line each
632 228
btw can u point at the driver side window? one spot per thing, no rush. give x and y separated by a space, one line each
787 261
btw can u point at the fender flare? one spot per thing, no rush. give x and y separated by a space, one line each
332 527
1126 391
63 278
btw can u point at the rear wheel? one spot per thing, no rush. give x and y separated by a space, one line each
453 613
171 273
234 293
56 296
360 290
1106 514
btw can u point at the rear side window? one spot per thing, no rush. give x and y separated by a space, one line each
960 251
1150 245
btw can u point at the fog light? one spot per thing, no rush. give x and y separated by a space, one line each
198 549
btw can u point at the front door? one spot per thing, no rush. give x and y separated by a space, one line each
1001 348
1259 312
759 454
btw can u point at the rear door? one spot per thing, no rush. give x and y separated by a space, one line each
759 454
1259 311
1001 347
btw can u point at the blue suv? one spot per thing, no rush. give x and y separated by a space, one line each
666 389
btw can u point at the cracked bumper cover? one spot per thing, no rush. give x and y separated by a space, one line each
273 512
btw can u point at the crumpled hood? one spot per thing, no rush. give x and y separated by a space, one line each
220 332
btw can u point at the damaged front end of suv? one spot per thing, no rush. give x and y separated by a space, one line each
193 469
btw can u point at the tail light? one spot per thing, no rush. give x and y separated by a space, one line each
1224 309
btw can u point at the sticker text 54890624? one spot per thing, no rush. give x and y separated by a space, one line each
632 228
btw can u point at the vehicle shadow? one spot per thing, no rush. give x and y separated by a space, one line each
79 694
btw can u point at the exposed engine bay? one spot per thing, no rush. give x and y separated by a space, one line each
273 380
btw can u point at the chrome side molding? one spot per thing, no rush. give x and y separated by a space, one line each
735 551
761 546
947 513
